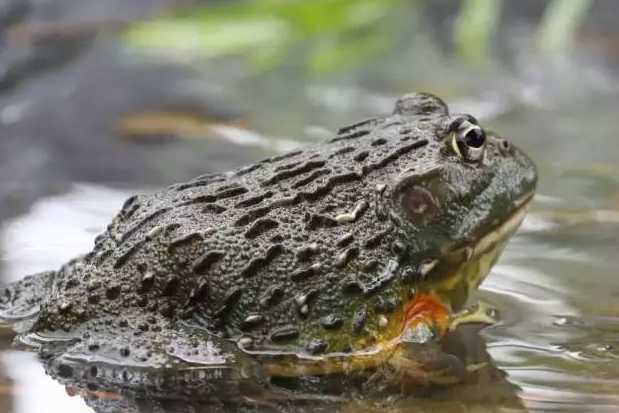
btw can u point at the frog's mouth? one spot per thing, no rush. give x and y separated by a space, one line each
463 268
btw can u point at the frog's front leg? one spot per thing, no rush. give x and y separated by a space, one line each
418 357
481 313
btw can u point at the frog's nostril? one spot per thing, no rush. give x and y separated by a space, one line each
505 146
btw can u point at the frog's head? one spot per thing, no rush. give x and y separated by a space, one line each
459 203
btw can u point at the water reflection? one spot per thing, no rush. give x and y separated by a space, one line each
485 388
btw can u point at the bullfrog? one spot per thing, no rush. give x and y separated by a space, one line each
353 256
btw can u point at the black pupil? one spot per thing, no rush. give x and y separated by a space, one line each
475 138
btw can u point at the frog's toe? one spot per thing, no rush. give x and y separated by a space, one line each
481 313
413 364
20 301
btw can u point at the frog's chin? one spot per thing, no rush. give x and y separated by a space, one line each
466 267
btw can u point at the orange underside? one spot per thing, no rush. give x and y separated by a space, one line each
422 309
428 309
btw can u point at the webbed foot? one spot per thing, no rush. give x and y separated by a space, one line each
418 358
481 313
415 365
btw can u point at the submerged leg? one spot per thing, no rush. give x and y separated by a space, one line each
418 358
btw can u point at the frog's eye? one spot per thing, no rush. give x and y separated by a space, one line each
468 141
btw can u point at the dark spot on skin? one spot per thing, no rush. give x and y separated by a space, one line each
272 295
345 240
230 193
129 202
365 124
65 371
393 156
205 262
260 227
171 228
353 287
259 263
360 157
253 200
112 292
147 282
186 239
343 151
287 166
379 142
171 286
310 178
199 293
166 310
213 209
291 173
277 239
351 135
284 333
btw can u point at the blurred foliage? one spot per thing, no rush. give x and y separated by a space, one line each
560 23
328 35
340 33
474 27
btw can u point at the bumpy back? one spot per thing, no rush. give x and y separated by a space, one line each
288 250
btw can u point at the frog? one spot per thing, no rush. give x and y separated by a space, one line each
354 256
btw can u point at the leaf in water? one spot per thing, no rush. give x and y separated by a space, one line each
147 125
474 27
162 126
